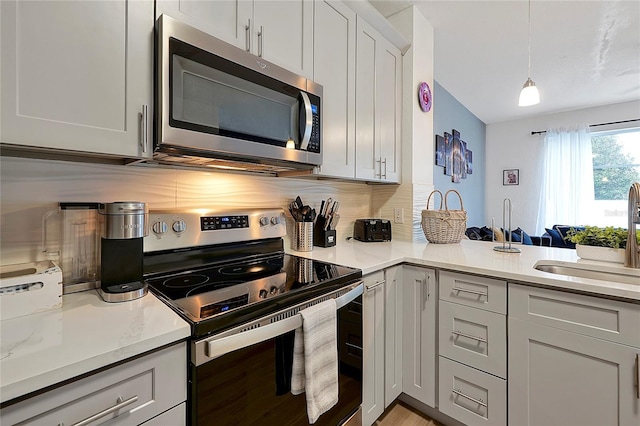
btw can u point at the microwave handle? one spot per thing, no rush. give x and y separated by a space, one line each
308 121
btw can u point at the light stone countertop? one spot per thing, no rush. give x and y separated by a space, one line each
475 257
49 347
43 349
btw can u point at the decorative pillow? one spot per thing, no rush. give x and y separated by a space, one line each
499 236
514 238
556 238
526 239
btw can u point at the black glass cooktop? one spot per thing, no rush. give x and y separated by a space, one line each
216 296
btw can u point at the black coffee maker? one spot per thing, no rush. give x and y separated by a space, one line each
124 226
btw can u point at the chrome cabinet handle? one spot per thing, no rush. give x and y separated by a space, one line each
145 127
638 376
351 345
469 336
465 290
120 404
477 401
385 168
247 35
372 286
260 41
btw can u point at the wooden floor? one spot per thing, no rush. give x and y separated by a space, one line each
399 413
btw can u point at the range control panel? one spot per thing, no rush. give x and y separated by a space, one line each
176 229
211 223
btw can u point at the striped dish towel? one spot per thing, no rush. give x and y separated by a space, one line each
315 359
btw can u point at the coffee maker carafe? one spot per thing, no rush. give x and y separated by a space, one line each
124 226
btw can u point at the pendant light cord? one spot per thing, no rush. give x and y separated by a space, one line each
529 67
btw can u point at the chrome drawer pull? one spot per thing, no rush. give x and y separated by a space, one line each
372 286
477 401
468 336
120 404
351 345
638 376
464 290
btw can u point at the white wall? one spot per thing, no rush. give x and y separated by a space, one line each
510 145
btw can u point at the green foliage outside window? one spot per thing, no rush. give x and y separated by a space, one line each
613 170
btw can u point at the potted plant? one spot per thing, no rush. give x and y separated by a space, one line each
605 244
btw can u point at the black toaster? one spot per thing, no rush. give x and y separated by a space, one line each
372 230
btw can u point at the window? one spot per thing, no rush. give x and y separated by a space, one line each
616 165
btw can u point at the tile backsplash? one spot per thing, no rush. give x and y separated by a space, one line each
30 188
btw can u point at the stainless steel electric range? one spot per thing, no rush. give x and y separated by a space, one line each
226 273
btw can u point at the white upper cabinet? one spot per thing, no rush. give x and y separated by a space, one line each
334 68
278 31
378 106
77 75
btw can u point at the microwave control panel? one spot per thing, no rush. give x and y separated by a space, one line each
314 140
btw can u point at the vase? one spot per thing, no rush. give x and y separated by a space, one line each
602 254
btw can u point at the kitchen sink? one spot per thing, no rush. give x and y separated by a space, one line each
591 271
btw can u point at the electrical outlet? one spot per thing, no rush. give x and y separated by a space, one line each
398 215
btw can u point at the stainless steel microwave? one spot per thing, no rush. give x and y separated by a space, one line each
218 105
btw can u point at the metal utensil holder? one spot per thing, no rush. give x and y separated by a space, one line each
302 236
507 210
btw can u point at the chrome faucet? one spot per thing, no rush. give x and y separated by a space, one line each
632 253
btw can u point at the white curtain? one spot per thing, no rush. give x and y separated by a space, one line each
566 177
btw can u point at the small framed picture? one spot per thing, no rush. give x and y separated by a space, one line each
511 177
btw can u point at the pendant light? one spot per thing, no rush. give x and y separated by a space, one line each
529 94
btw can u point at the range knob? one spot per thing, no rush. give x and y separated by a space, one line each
179 226
273 290
262 294
275 220
264 221
159 227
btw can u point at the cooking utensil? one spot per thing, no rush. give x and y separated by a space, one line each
299 202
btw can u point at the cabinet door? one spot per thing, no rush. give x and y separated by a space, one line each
373 348
419 338
283 34
392 334
388 105
334 68
367 158
561 378
77 75
378 104
228 20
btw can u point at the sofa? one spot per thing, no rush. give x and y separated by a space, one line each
519 236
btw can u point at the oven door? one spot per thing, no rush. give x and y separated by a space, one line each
247 376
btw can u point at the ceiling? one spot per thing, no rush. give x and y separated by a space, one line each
583 53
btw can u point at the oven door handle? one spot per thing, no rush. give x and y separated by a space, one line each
219 346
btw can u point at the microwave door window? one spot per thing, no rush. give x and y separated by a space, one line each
209 100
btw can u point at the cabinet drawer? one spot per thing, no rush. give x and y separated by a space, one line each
473 337
479 292
177 416
471 396
151 385
605 319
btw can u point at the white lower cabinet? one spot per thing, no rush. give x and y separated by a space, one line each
560 374
128 394
382 342
419 344
392 334
373 347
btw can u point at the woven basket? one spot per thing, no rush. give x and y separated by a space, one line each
444 226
